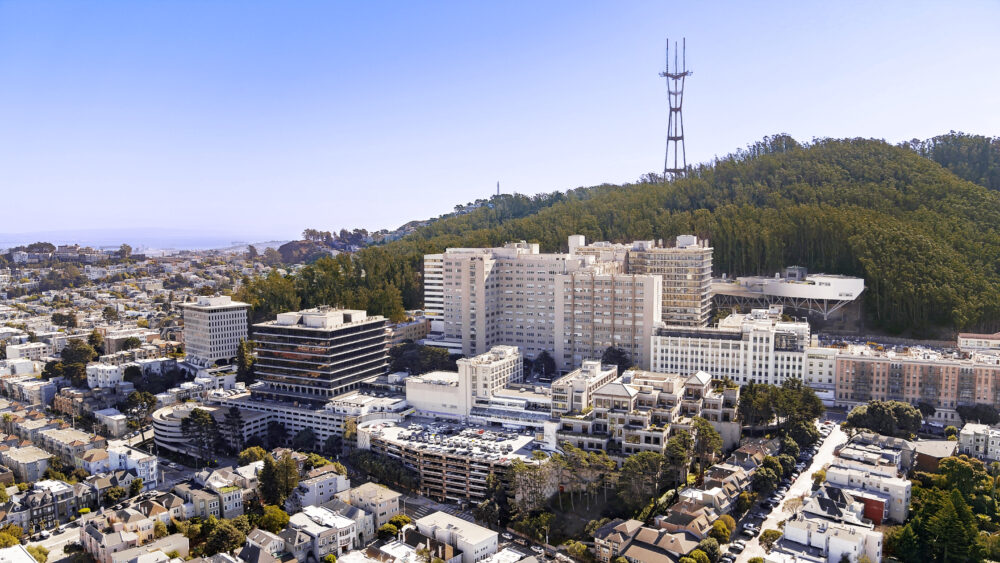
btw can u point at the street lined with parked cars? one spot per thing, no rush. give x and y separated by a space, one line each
771 510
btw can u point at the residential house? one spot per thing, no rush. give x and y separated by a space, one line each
380 501
319 486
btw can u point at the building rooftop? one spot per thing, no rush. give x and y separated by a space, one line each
376 492
28 454
320 319
472 533
468 441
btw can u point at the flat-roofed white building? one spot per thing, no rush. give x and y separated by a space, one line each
454 394
834 539
758 347
488 373
475 542
213 328
895 490
980 441
438 393
28 351
104 375
972 342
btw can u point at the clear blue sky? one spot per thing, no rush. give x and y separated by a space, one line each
263 118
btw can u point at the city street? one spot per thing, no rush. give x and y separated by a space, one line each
800 488
57 542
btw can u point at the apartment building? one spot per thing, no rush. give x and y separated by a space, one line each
884 497
639 411
311 356
573 392
635 542
318 486
434 292
104 375
760 347
213 329
121 457
28 351
68 443
27 463
114 340
30 390
317 532
45 505
946 381
475 542
980 441
451 468
379 501
596 308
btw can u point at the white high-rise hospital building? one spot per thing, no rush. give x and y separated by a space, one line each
572 306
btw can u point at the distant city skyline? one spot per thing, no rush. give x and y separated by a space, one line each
252 121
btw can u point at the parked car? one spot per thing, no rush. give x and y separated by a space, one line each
750 532
727 559
737 547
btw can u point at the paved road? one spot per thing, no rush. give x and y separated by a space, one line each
57 542
800 488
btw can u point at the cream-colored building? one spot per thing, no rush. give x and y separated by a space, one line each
475 542
597 308
570 306
434 291
438 393
686 271
574 391
685 268
453 395
488 373
378 500
758 347
213 328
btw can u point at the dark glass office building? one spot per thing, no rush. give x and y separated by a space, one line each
311 356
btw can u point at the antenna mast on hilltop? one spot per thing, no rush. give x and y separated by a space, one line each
675 122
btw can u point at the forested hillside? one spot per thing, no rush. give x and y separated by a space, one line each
972 157
926 241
